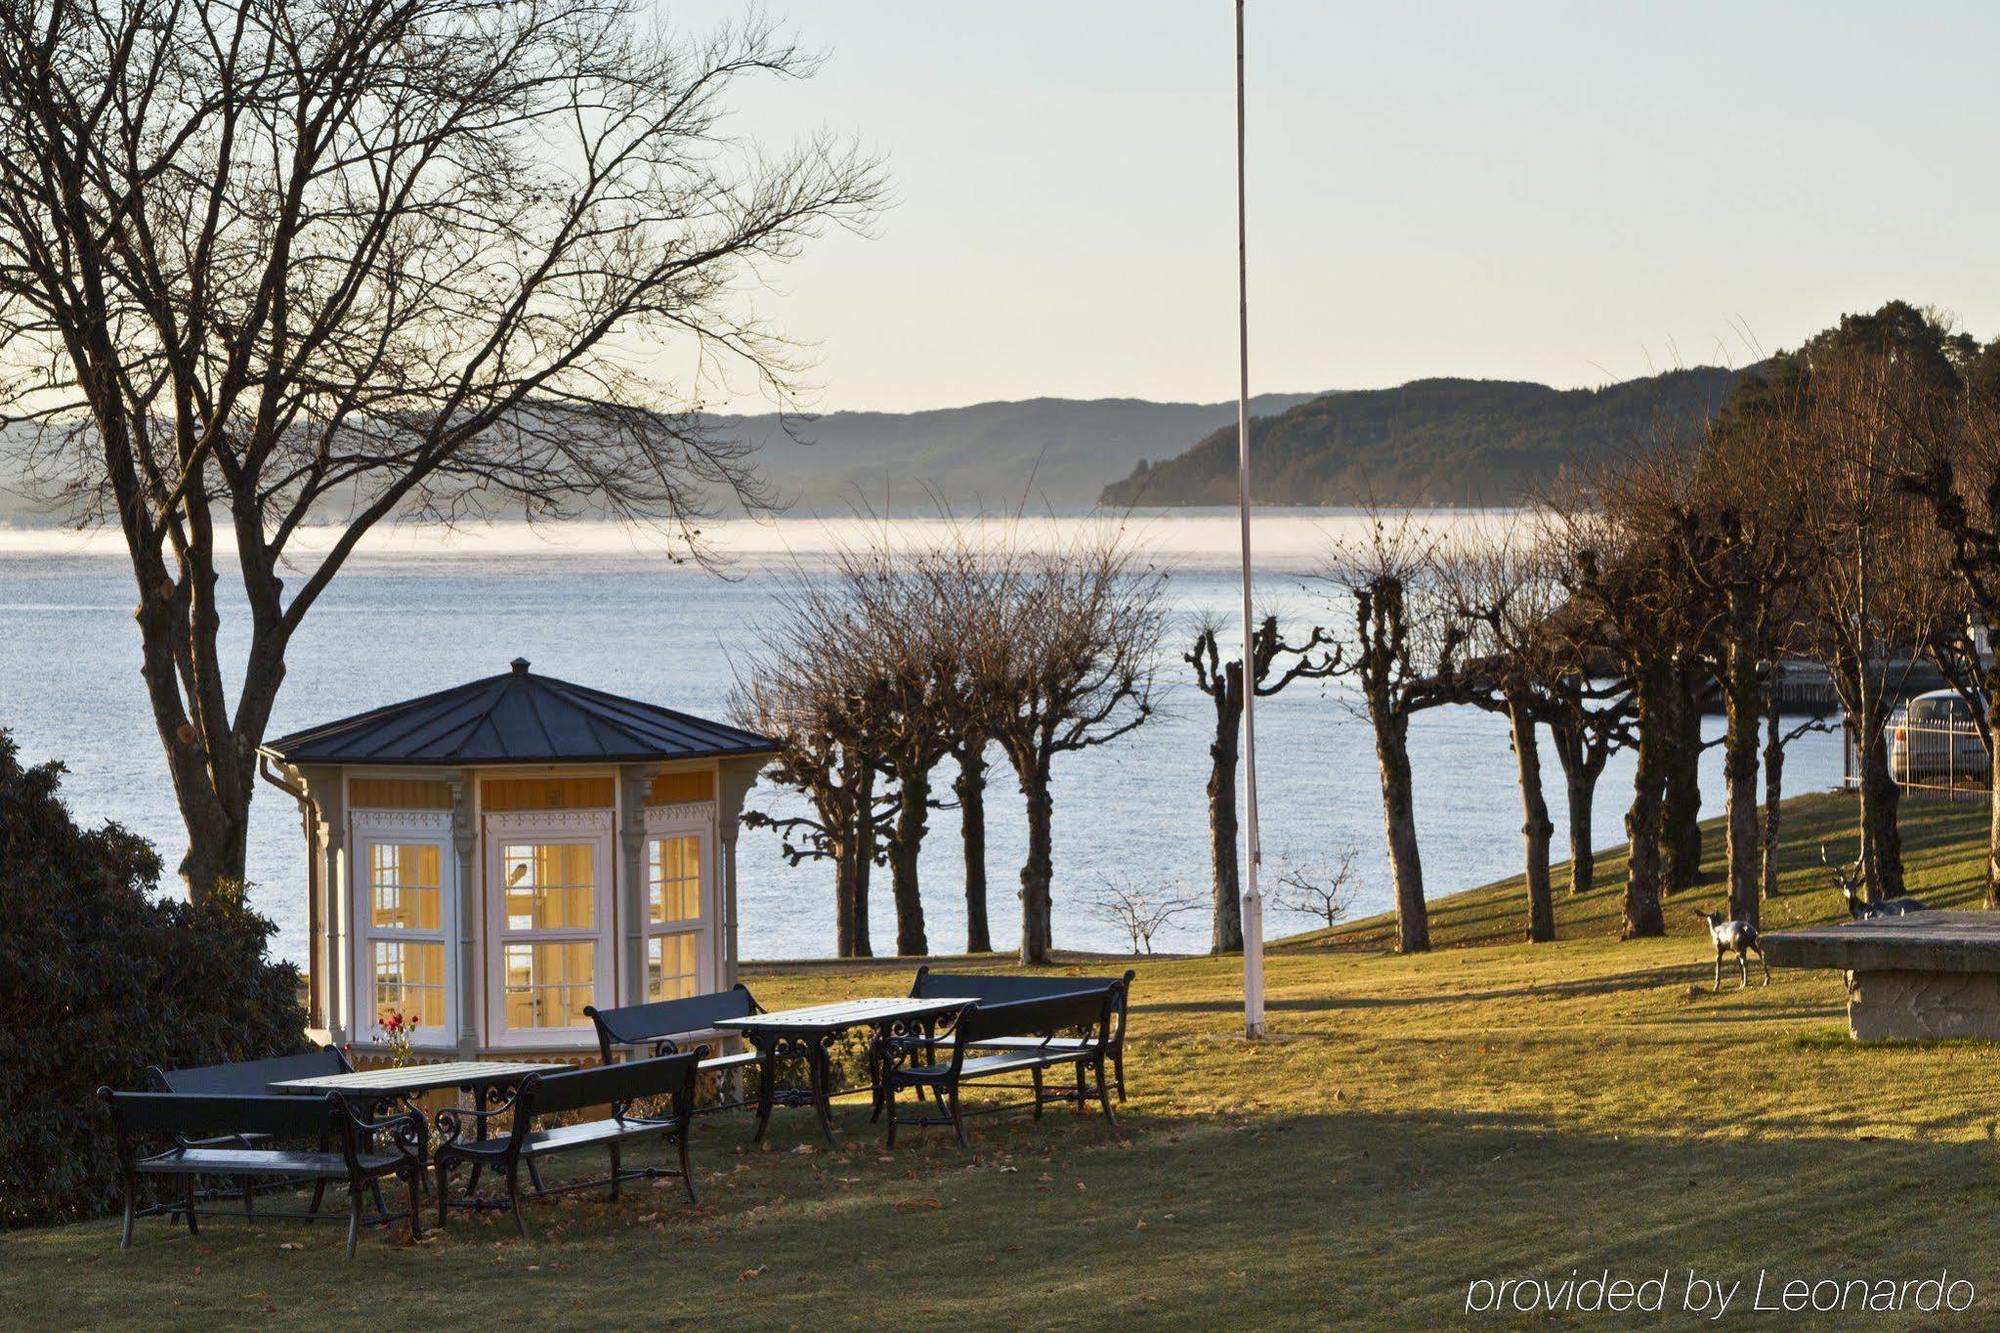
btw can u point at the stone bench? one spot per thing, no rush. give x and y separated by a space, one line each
1922 977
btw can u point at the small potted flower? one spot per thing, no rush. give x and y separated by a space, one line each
399 1034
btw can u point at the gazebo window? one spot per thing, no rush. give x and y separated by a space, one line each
404 906
675 927
552 921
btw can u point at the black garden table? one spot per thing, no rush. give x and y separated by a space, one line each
808 1034
401 1085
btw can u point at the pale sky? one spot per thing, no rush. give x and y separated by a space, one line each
1570 193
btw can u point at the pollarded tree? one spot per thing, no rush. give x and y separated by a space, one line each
1069 639
1401 652
1848 416
1957 474
1628 604
1222 682
802 690
267 264
1736 526
1505 594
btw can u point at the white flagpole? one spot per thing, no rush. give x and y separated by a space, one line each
1253 900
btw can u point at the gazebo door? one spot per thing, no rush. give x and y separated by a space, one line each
549 918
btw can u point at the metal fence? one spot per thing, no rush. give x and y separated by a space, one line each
1936 756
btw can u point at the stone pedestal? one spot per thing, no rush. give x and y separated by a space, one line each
1921 1006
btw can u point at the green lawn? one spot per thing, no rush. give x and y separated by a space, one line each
1412 1124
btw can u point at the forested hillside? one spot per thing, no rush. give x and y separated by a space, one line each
1435 441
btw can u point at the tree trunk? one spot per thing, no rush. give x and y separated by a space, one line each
1227 933
913 801
1038 871
1536 827
1580 795
203 757
1774 777
1680 815
853 860
1642 820
1392 750
1742 703
1991 684
970 788
1881 842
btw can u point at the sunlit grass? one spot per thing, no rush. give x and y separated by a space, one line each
1411 1124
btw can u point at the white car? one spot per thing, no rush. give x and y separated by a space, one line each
1935 738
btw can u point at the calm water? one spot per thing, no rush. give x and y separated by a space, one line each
416 614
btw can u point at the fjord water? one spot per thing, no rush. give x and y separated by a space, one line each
417 611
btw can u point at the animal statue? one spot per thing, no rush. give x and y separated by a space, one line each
1848 880
1740 938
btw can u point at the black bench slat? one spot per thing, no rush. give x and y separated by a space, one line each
1000 1063
262 1162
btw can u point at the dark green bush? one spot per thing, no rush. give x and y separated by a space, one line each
99 978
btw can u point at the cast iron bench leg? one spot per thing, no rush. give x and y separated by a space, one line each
767 1088
820 1075
514 1200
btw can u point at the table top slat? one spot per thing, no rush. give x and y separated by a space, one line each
417 1078
847 1013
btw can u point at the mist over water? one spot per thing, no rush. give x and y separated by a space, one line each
419 610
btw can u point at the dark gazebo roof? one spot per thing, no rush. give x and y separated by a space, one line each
516 718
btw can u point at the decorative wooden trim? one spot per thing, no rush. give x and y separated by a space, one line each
666 818
558 822
430 822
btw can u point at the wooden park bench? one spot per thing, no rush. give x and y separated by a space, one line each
1072 1029
1003 988
240 1136
537 1132
669 1027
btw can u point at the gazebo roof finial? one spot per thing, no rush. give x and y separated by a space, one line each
520 665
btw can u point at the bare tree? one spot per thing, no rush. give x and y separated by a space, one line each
1957 475
1737 529
1320 889
1506 595
266 263
820 757
1401 654
1071 635
1627 603
1845 422
1222 682
1140 907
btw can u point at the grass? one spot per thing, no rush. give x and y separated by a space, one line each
1413 1124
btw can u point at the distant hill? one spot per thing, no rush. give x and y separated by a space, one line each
1437 441
982 454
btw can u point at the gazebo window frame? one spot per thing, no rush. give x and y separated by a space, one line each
402 828
662 822
547 828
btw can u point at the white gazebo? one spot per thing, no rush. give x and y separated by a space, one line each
492 858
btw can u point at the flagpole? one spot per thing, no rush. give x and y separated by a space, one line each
1253 900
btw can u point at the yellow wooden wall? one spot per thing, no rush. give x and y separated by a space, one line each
398 794
673 788
550 793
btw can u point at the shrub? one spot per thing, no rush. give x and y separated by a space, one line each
100 978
